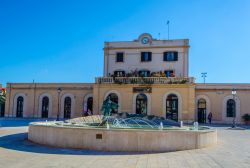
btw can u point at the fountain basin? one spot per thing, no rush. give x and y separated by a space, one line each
129 140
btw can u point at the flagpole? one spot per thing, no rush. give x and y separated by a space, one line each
168 28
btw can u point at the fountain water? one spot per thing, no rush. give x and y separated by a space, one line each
161 126
196 126
108 126
133 122
121 133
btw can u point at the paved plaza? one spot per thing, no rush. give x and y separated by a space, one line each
233 150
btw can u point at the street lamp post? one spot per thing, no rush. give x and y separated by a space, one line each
234 114
58 103
204 75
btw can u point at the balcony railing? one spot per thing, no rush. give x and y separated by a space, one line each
144 80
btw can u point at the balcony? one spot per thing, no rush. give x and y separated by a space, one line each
144 80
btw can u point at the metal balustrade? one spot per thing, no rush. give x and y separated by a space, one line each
145 80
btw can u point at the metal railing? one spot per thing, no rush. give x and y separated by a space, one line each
145 80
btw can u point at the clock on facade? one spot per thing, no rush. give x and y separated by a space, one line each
145 40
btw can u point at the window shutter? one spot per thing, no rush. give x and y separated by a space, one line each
175 56
165 56
148 73
149 56
142 56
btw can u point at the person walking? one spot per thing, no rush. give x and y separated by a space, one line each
209 117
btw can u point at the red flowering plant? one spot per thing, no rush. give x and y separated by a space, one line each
2 95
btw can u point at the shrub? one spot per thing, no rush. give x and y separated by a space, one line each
246 117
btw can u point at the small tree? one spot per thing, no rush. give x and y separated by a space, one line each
246 118
2 96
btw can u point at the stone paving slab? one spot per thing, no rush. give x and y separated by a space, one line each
233 150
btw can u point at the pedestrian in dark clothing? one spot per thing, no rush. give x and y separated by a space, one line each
209 117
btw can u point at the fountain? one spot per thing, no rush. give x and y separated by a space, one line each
108 126
122 132
161 126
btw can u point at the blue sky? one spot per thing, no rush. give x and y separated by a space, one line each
62 41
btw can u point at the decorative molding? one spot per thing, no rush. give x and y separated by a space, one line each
24 95
179 103
208 105
85 101
148 102
39 113
146 47
224 109
72 114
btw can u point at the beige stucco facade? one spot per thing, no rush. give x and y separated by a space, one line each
132 52
217 95
34 92
127 88
156 99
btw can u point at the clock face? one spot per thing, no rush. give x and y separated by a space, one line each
145 40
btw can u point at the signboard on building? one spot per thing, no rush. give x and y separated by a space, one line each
142 89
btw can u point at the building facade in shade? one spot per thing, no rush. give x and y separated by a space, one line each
143 76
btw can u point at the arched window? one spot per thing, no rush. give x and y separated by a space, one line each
19 108
114 98
45 107
67 107
202 111
141 104
2 106
172 107
202 103
231 108
90 105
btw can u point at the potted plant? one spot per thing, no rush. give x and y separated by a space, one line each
2 96
246 118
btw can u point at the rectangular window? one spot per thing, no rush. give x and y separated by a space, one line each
119 57
170 56
144 73
146 56
169 73
119 73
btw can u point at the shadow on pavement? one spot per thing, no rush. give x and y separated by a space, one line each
18 122
19 142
